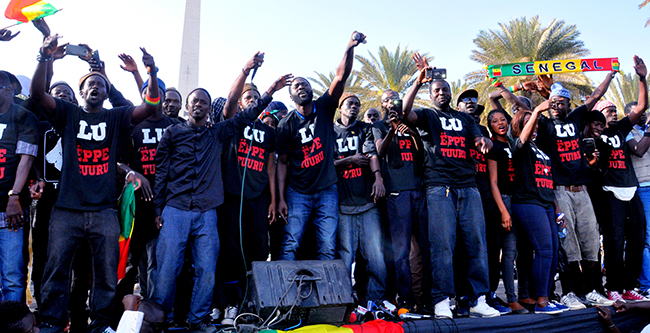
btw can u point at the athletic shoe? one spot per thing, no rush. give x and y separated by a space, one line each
632 295
498 304
596 298
572 302
551 308
443 310
229 316
645 293
559 305
482 309
614 296
202 327
462 306
215 315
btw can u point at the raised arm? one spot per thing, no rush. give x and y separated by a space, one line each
132 67
345 67
601 89
38 89
527 132
422 64
230 108
642 105
150 105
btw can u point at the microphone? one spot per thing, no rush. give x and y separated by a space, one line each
413 316
255 69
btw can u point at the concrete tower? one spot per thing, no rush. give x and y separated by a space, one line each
188 77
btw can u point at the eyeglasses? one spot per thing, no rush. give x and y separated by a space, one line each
388 99
467 99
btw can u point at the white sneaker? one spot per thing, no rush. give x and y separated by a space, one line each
229 316
215 315
443 310
571 301
482 309
597 299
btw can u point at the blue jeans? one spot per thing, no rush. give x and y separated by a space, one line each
644 279
324 205
453 210
363 231
502 248
12 266
407 211
181 227
68 230
541 228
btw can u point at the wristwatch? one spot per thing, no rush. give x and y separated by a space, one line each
11 192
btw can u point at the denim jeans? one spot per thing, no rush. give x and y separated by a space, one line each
363 231
199 230
539 224
452 211
407 212
12 273
324 205
644 278
501 244
68 230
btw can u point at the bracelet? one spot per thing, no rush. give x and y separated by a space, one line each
612 325
377 171
513 88
151 101
242 70
41 58
497 83
40 180
128 174
152 72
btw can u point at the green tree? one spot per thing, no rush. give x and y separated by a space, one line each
354 85
523 40
624 89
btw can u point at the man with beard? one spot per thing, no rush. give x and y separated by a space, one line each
559 137
399 149
188 190
360 186
306 174
86 213
453 201
172 104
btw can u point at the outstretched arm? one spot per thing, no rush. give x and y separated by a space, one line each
147 108
411 118
131 66
527 132
601 90
642 105
38 89
345 67
230 108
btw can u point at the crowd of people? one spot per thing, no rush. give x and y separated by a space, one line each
433 207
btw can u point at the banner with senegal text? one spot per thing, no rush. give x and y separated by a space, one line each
553 67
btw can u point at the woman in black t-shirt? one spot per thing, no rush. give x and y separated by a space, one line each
502 172
533 203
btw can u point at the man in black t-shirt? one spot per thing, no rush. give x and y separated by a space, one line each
18 148
453 200
399 149
86 213
360 185
306 175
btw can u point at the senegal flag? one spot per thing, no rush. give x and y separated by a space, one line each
28 10
126 217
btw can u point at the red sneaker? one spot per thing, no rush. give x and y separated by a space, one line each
614 296
632 295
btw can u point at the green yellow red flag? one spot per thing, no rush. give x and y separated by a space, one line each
553 67
28 10
126 215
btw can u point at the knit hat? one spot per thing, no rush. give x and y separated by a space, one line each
161 85
346 96
602 105
558 90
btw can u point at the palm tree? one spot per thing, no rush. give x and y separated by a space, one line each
523 40
643 4
623 90
354 85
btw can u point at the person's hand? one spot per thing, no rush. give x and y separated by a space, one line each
403 129
88 56
42 26
131 302
133 179
49 45
359 159
546 80
639 67
15 218
36 190
5 35
129 64
159 222
506 221
422 65
605 315
593 158
355 42
621 306
147 60
145 186
283 210
255 62
280 83
529 85
484 145
97 66
273 213
59 52
378 189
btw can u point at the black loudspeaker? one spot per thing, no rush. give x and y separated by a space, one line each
314 291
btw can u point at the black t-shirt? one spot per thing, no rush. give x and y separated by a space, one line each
618 168
502 154
308 143
145 137
448 138
482 175
18 136
90 143
234 158
400 167
560 139
533 175
355 182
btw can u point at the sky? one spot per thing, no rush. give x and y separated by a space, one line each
303 37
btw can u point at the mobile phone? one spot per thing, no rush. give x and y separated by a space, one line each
436 73
589 145
77 50
397 105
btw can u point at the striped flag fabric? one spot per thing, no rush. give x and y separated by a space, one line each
28 10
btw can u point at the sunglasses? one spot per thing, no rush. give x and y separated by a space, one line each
467 99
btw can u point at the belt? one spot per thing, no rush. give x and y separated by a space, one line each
572 188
